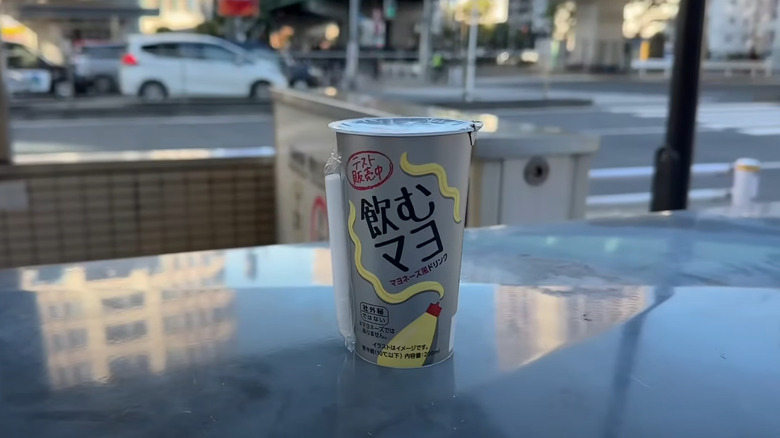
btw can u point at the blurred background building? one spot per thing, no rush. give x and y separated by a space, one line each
529 14
741 27
598 35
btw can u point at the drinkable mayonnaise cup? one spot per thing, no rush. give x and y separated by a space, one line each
404 186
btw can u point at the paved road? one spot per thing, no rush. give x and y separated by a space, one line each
734 121
629 117
122 134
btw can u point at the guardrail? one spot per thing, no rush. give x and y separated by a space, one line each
643 66
400 69
743 191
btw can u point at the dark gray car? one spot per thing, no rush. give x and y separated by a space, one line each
97 67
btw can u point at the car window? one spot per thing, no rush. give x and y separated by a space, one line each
209 52
21 57
191 50
213 52
104 52
168 50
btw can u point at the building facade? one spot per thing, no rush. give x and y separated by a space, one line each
48 26
529 14
175 14
740 28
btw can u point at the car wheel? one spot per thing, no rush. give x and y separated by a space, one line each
153 92
63 89
261 91
104 85
300 84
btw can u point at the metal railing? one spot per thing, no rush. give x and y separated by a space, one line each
745 174
728 68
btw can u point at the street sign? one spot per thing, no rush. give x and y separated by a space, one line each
239 8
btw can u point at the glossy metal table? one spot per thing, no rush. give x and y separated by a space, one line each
662 326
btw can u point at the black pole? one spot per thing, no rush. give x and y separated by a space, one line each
673 160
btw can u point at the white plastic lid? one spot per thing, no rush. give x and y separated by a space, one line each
403 126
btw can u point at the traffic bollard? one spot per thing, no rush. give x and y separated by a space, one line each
745 186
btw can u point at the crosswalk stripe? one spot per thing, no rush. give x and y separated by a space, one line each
757 119
773 130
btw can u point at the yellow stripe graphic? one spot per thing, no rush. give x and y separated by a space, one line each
441 175
384 295
418 332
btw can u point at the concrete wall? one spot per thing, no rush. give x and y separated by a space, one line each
95 211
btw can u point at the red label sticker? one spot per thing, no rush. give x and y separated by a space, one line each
318 223
368 169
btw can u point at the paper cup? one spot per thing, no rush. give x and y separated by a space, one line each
405 182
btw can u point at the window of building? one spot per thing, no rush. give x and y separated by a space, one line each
126 332
128 366
123 302
73 310
54 310
57 343
168 295
77 338
173 324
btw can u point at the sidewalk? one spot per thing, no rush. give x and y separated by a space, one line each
118 106
485 95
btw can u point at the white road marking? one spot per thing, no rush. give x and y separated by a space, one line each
543 111
142 121
758 118
773 130
634 130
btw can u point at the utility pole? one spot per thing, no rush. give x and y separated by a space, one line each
352 46
425 39
672 176
471 55
775 56
5 131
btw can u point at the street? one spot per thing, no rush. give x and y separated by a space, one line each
146 133
734 121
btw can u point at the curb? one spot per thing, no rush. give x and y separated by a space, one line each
454 102
90 109
510 104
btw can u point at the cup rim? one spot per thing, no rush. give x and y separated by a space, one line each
403 126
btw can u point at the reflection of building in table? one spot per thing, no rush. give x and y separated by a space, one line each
532 321
100 324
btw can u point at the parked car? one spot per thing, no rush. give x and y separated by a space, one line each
300 75
96 66
30 73
159 66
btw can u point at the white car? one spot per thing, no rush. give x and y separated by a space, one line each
156 67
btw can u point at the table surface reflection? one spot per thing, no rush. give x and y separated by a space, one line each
656 326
